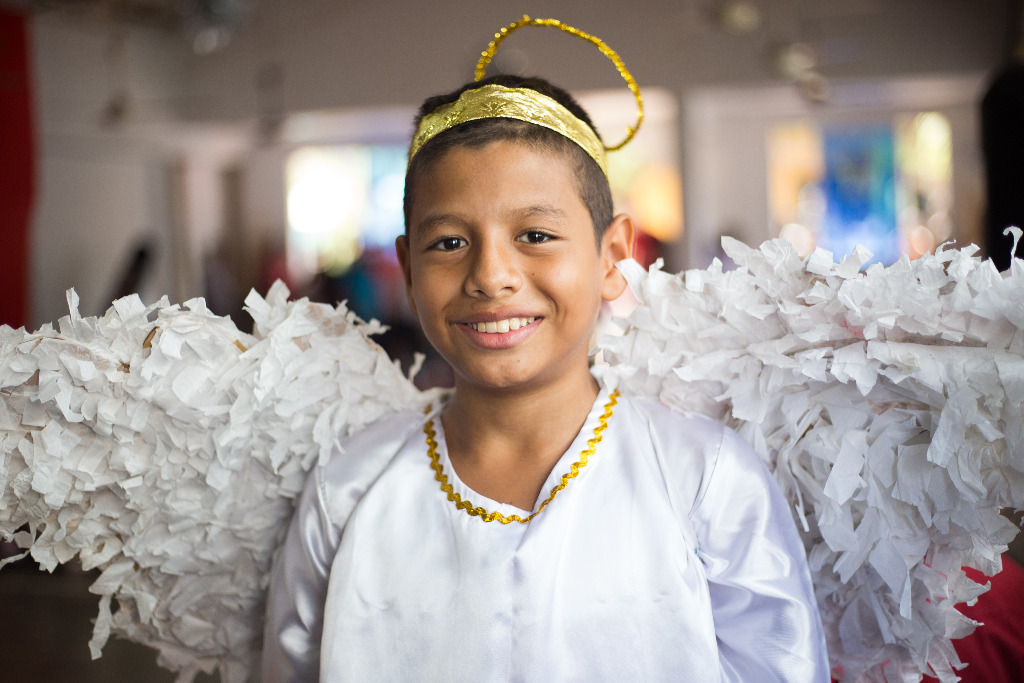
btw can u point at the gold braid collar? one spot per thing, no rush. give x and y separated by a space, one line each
488 516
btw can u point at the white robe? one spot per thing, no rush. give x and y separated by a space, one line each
671 556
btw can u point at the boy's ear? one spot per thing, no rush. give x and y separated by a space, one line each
616 245
402 251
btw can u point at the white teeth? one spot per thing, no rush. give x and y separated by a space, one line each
502 326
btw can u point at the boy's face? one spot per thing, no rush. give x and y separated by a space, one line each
502 268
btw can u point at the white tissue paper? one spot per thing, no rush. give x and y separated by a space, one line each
888 402
163 446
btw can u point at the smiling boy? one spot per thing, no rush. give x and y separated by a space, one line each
534 525
506 273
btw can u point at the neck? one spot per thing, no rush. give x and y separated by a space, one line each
530 424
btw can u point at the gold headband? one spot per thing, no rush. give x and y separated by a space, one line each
525 104
497 101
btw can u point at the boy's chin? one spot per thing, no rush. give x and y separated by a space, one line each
490 382
517 380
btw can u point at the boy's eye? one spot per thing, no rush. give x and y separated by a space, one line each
449 244
535 237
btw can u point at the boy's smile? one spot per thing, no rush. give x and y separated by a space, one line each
503 333
503 268
502 326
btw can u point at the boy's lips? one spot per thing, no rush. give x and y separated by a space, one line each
503 325
499 331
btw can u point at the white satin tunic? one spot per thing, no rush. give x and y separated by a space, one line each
671 556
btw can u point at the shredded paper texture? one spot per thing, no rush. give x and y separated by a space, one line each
888 402
166 448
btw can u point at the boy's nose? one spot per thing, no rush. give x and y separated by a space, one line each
493 272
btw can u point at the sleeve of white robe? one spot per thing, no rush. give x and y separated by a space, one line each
299 581
298 588
765 614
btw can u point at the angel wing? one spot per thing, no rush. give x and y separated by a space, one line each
889 403
165 447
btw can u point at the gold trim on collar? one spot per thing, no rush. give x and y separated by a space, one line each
476 511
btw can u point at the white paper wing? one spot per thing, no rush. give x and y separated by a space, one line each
165 447
889 403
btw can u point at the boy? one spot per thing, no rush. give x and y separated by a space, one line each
632 543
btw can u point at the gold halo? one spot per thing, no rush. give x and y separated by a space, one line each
487 55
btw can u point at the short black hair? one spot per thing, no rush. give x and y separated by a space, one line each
591 182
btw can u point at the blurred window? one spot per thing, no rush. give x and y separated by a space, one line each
342 200
884 184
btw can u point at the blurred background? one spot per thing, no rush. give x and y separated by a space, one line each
207 147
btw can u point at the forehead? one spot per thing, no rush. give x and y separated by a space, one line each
499 176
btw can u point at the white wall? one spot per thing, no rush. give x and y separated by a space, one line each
101 189
106 186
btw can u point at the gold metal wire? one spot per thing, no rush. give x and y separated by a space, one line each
487 55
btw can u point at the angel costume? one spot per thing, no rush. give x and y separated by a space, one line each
166 448
671 556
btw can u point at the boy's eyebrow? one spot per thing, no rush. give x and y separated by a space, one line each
437 220
542 210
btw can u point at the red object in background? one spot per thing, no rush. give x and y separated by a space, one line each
995 651
17 168
646 249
